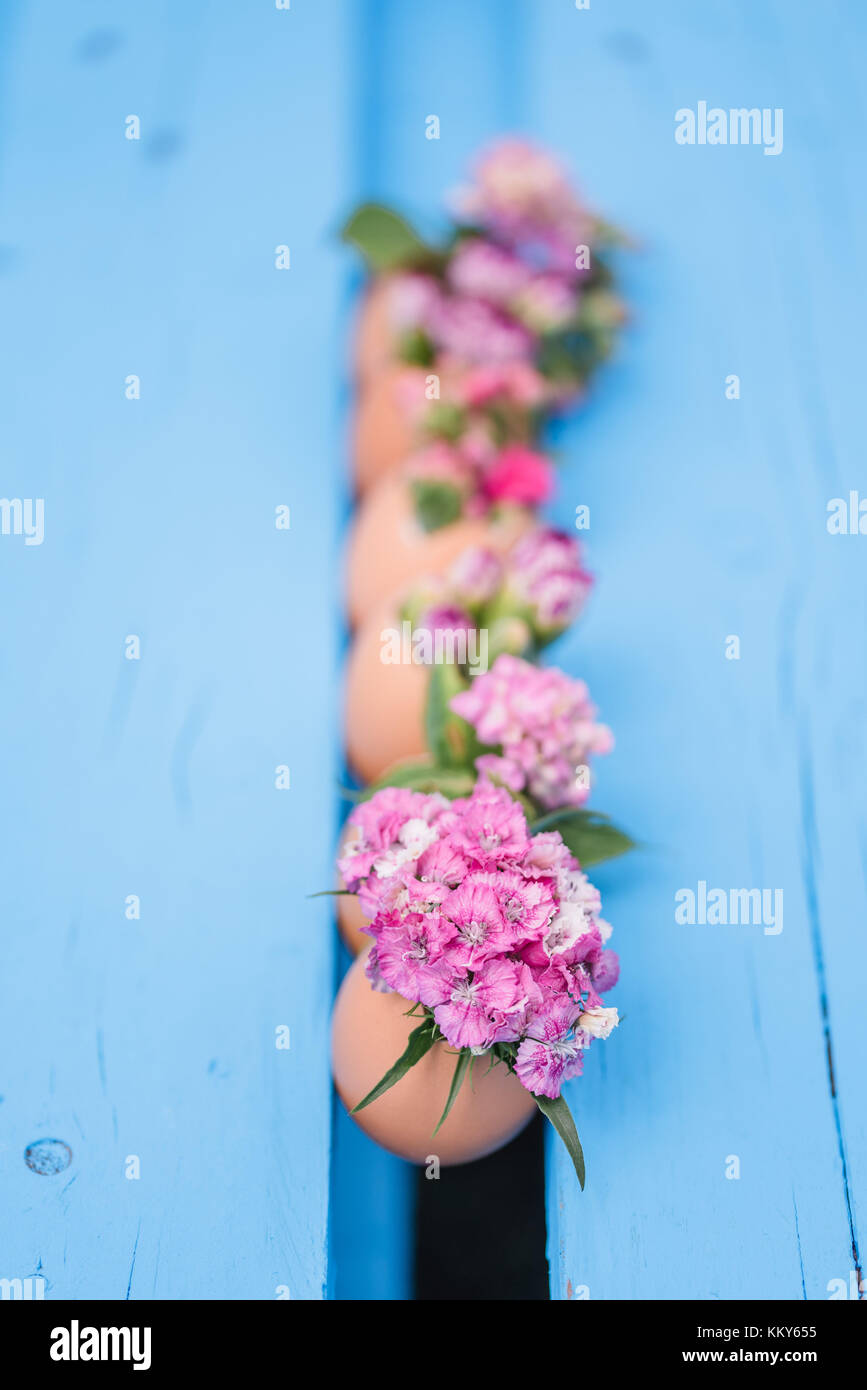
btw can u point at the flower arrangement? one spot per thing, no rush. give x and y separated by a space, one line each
465 865
471 477
523 278
522 600
492 933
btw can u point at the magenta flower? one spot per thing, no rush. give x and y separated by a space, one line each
475 576
546 576
482 929
409 952
386 825
474 331
542 723
523 198
497 934
513 383
482 270
518 474
488 827
469 1018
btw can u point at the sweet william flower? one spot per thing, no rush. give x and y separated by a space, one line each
493 932
375 827
481 928
409 952
543 724
489 828
468 1018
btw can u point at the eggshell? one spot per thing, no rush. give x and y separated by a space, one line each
369 1033
388 408
384 703
388 549
374 335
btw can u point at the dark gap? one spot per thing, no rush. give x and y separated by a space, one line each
480 1227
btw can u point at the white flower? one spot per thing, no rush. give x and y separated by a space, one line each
414 838
571 923
598 1023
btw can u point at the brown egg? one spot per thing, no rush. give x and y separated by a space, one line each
374 335
388 550
350 918
388 408
369 1033
384 703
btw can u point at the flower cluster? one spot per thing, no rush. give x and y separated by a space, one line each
524 600
495 932
522 287
543 725
472 476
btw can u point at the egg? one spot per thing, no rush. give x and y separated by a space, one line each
374 335
388 550
369 1033
387 411
384 703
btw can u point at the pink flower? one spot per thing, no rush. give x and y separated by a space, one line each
543 1068
482 270
605 971
515 383
494 932
544 725
548 1056
482 929
545 574
379 826
469 1017
444 618
488 827
518 474
410 959
475 576
474 331
522 196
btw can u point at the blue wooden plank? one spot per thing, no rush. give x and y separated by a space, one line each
708 519
155 777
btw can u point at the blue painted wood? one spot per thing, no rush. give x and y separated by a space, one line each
156 1037
709 519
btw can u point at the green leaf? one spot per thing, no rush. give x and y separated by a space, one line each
445 420
436 503
385 239
425 777
448 736
332 893
558 1112
591 836
421 1040
462 1066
